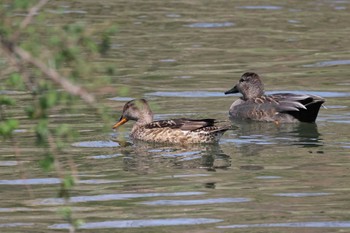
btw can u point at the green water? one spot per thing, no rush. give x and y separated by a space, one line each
182 56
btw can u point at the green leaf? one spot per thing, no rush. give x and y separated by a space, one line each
7 127
68 182
66 213
42 132
22 4
47 163
5 100
55 40
48 100
15 80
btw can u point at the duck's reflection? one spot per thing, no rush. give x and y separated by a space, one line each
253 137
144 158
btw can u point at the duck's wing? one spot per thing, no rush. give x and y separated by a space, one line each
287 102
265 108
182 123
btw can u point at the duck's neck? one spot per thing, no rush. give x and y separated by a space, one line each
255 93
145 119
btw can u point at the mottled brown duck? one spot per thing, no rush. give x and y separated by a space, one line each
177 131
279 108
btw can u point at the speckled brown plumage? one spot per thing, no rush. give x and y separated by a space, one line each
280 108
178 131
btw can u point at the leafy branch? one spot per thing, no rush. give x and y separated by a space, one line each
49 71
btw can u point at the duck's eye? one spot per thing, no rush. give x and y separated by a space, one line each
241 80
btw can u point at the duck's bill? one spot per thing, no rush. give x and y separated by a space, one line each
122 121
233 90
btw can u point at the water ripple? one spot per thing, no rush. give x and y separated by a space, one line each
123 99
196 202
97 144
261 7
140 223
336 224
41 181
204 94
105 156
113 197
8 163
301 194
268 177
210 25
15 224
328 63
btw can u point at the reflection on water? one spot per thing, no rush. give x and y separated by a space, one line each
142 157
253 137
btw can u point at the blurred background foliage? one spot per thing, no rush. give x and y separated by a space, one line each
67 55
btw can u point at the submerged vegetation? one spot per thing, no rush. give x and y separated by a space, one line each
51 65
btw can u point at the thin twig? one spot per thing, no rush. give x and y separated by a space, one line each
17 151
16 64
49 72
28 19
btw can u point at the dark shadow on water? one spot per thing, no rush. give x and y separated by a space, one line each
253 137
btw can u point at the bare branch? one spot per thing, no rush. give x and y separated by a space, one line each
55 76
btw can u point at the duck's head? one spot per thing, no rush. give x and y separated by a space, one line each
137 110
250 86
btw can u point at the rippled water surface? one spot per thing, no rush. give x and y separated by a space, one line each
182 56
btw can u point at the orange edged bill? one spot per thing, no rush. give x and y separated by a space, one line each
122 121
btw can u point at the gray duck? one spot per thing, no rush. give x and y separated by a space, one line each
177 131
279 108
